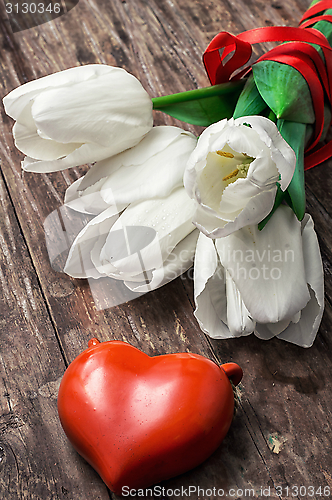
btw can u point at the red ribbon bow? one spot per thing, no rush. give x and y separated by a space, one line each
227 54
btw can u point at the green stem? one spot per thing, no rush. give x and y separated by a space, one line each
202 106
192 95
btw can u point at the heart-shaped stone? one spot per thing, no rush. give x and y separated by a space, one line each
139 419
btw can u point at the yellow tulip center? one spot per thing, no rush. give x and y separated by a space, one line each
241 169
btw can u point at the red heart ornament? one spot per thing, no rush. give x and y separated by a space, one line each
139 419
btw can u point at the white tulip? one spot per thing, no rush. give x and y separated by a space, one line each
143 233
269 282
80 115
148 245
232 174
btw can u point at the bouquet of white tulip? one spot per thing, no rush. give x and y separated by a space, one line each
233 200
258 266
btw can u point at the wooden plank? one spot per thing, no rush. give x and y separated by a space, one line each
37 461
287 401
157 323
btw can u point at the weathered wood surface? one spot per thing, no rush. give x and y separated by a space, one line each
281 434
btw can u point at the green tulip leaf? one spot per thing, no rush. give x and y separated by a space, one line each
250 101
295 135
285 91
202 106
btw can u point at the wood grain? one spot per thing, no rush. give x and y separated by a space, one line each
35 453
281 432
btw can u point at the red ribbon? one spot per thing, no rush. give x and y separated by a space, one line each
227 54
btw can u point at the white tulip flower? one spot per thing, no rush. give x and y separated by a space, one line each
143 233
233 172
269 282
80 115
149 244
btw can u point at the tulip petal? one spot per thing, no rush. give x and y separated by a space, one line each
178 262
244 139
302 328
239 320
142 180
263 172
303 332
86 153
312 258
210 290
91 202
22 96
104 119
267 267
270 330
215 227
211 184
79 263
237 195
27 139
